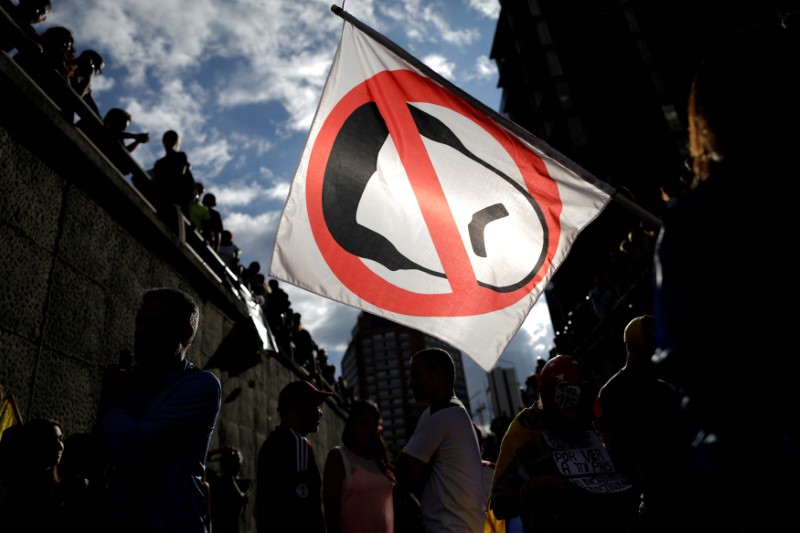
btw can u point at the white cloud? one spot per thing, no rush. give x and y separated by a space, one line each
440 65
236 194
212 156
442 28
485 68
487 8
255 235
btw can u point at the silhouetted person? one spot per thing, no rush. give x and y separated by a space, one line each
88 64
113 135
230 253
442 459
358 479
725 346
172 175
249 276
261 290
198 213
278 308
31 493
553 470
26 14
212 230
305 348
117 121
289 485
228 491
52 67
326 370
156 420
639 419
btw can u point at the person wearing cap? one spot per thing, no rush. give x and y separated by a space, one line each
442 459
639 418
553 471
288 482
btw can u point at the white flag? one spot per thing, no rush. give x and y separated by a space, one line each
412 204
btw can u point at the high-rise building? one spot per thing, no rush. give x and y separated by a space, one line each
504 391
376 365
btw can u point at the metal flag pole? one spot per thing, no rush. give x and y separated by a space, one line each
509 125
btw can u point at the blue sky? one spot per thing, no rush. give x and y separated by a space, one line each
240 81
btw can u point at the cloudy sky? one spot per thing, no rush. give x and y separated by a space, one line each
240 81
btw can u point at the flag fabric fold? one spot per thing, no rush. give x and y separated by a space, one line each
412 203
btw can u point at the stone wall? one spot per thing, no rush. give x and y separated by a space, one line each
80 244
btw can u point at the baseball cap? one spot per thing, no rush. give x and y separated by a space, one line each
568 384
298 392
640 331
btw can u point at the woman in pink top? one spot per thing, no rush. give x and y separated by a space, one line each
358 481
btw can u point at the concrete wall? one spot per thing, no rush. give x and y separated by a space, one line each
79 244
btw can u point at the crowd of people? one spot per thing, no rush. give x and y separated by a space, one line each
169 185
678 439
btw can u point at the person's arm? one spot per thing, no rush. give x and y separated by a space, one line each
412 473
512 494
332 477
194 402
138 138
505 497
507 492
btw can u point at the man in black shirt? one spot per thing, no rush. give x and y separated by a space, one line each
288 482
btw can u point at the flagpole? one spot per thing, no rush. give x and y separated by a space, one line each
511 126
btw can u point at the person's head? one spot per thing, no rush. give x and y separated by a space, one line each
42 443
226 237
362 428
165 326
529 393
640 339
117 119
567 389
300 406
209 200
362 433
58 43
743 101
171 140
93 60
35 11
433 374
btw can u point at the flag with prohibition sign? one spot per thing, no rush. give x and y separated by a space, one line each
414 202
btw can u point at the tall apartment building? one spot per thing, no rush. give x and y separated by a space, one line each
504 391
376 364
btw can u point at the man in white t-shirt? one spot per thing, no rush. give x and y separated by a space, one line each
442 460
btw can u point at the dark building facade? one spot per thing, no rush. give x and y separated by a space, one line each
606 83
